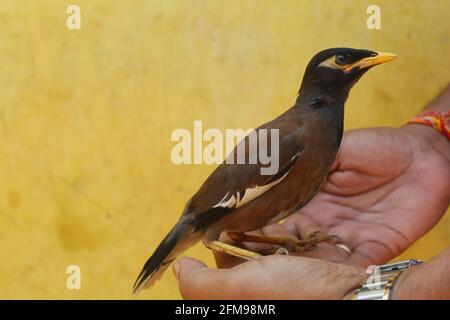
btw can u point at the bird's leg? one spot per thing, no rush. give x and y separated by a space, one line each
287 245
317 237
290 245
232 250
243 237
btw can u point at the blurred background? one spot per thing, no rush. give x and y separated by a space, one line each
86 116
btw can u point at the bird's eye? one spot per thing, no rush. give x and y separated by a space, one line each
342 59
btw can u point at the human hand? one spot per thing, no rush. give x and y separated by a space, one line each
291 277
272 277
387 188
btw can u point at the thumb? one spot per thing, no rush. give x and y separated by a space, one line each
197 281
186 265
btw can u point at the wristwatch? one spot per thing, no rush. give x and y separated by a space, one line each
381 281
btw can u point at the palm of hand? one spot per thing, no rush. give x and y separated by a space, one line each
385 191
387 188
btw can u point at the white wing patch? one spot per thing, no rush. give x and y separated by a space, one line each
250 194
253 193
226 203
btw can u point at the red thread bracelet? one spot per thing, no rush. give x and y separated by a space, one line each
438 120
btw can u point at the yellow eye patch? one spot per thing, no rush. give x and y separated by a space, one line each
380 57
331 63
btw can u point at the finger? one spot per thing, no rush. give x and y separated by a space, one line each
300 225
278 230
274 277
371 253
188 264
226 261
326 252
197 281
289 225
347 150
275 230
305 225
341 152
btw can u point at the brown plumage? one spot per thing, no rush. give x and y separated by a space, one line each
237 197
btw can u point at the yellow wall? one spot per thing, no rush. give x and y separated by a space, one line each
86 117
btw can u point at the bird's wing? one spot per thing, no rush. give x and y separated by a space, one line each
232 185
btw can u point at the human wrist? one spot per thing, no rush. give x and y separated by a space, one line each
427 138
434 120
414 284
379 286
404 286
430 280
331 281
352 283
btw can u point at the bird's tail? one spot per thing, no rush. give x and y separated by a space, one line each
173 244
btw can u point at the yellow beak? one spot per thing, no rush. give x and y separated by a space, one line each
380 58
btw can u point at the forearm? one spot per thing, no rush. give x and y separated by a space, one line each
430 280
431 136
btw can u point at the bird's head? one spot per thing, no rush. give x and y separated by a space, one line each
338 69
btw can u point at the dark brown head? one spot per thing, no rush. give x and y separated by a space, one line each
336 70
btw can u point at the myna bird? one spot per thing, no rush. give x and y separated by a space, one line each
238 198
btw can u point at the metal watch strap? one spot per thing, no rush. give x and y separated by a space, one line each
379 286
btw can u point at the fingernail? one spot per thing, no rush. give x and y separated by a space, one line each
176 269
